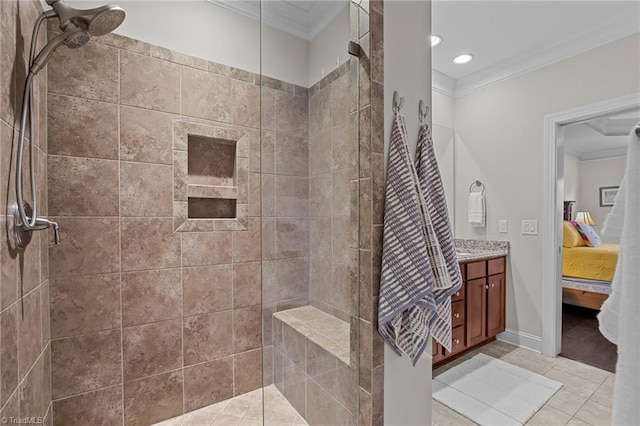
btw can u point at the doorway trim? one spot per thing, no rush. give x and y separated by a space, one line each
553 205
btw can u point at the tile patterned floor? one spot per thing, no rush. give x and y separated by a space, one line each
585 399
243 410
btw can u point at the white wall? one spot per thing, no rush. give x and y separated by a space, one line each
595 174
443 142
328 49
499 131
201 29
572 180
407 69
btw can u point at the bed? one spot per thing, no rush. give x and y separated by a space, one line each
587 271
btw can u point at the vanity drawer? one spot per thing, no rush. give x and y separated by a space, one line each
458 295
476 269
496 266
457 339
457 314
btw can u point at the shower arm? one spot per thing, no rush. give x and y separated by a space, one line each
33 223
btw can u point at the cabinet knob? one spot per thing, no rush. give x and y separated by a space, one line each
457 293
486 287
457 315
457 341
492 285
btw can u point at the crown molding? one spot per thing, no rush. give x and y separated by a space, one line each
605 153
442 83
543 56
291 21
573 153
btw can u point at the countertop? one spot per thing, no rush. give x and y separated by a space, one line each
474 250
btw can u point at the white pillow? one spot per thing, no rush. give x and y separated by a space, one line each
592 236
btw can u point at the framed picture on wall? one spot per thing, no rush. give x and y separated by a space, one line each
608 195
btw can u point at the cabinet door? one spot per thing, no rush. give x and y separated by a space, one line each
476 311
495 305
436 351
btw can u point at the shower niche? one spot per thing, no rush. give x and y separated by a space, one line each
211 174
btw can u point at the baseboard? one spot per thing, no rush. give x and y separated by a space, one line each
522 339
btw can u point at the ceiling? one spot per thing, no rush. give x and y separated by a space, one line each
600 137
511 37
302 18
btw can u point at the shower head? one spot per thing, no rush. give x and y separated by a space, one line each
73 38
97 22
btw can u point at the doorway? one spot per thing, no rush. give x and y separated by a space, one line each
553 213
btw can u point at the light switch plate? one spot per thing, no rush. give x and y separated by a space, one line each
529 227
503 226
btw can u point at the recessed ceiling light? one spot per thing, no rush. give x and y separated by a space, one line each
463 59
435 40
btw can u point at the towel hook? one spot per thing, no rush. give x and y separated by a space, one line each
477 183
398 102
638 130
423 111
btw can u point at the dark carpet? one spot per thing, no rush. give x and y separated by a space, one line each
583 342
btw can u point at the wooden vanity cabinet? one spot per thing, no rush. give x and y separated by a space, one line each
477 309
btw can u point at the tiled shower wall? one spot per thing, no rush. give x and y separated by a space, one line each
25 350
333 170
147 323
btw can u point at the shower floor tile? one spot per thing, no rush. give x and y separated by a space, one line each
249 409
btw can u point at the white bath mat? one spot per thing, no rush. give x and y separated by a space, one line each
491 392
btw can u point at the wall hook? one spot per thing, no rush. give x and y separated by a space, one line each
398 102
423 111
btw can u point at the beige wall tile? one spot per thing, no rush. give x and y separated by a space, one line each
8 55
82 186
267 108
292 278
294 345
267 152
321 407
292 196
146 189
84 304
291 114
247 328
320 237
9 352
245 109
341 194
211 104
320 111
206 248
149 296
294 386
149 83
206 337
34 398
29 337
292 155
246 244
247 372
152 399
207 289
146 136
247 288
321 152
72 127
101 406
150 349
341 98
149 243
292 237
88 246
74 72
85 363
320 195
208 383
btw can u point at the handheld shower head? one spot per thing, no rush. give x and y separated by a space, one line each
97 22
